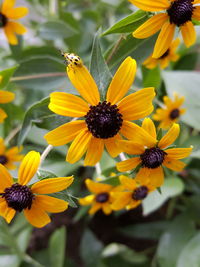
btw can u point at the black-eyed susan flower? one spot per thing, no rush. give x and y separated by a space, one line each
7 14
5 97
100 199
170 112
18 196
9 156
103 122
151 156
132 195
176 13
169 56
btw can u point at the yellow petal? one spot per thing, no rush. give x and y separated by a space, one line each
156 177
106 208
51 204
2 146
10 214
10 34
148 5
137 134
94 151
97 188
17 13
128 183
178 153
133 204
130 147
78 146
7 5
112 146
164 39
85 201
16 27
3 115
13 153
132 106
37 216
65 133
5 178
121 199
174 164
189 34
170 136
196 13
149 126
5 211
128 164
68 105
28 167
143 176
52 185
122 80
95 207
151 26
6 97
84 83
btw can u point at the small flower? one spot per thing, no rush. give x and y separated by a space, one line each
171 112
152 155
165 59
103 122
5 97
177 13
18 197
9 156
133 194
9 13
101 197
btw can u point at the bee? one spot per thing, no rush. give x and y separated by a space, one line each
72 60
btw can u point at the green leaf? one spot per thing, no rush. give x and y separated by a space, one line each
43 174
7 74
151 78
128 24
99 68
172 187
190 255
64 195
57 248
34 114
52 30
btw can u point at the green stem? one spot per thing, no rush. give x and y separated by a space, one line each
38 76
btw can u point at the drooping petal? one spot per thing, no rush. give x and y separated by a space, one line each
94 151
51 204
128 183
143 175
133 204
2 146
10 34
156 177
65 133
3 115
170 136
164 39
189 34
137 134
121 199
10 215
97 188
149 126
13 153
52 185
7 5
106 208
174 164
68 105
112 147
130 147
78 146
5 178
128 164
85 201
148 5
178 153
28 167
151 26
84 83
122 80
132 106
17 13
16 27
95 207
6 97
6 212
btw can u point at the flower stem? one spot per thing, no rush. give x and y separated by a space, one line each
115 48
12 134
45 153
38 76
98 169
122 156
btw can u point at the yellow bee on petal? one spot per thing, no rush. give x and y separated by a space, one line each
72 60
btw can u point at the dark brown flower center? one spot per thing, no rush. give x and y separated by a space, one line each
102 197
175 113
180 11
3 20
152 157
140 193
18 197
165 54
104 120
3 159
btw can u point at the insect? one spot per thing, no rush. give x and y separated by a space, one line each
71 59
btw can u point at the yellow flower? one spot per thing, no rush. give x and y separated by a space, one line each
171 112
9 13
31 199
101 197
176 13
105 121
134 193
5 97
9 156
153 154
164 60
